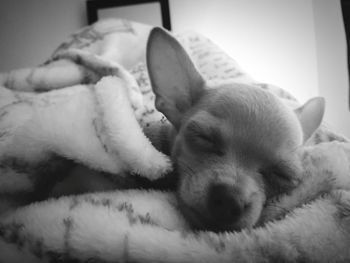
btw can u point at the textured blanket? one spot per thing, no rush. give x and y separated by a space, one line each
90 103
139 226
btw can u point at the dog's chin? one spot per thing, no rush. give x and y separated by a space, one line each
200 221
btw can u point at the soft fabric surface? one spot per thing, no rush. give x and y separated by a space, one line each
89 103
141 226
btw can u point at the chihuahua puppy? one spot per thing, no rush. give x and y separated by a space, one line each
234 146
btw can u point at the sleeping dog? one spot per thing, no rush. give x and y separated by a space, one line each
234 145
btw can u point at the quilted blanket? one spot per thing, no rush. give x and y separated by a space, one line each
91 103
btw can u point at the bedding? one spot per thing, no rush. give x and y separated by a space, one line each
91 103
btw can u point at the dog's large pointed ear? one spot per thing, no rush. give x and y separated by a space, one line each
310 115
175 81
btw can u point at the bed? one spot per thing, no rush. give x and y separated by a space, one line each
91 103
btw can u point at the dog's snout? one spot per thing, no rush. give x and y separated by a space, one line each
225 203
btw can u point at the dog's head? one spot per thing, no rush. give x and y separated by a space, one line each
235 144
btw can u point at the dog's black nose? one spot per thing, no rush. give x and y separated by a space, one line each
224 203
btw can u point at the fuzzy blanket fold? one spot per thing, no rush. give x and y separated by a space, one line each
90 103
141 226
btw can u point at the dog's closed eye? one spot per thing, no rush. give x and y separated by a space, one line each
204 138
280 177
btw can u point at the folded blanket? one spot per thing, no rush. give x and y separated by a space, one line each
95 124
37 130
141 226
90 103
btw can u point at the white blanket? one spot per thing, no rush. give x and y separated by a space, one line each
89 103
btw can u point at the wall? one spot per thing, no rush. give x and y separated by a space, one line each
147 13
263 36
298 45
273 40
30 30
332 63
